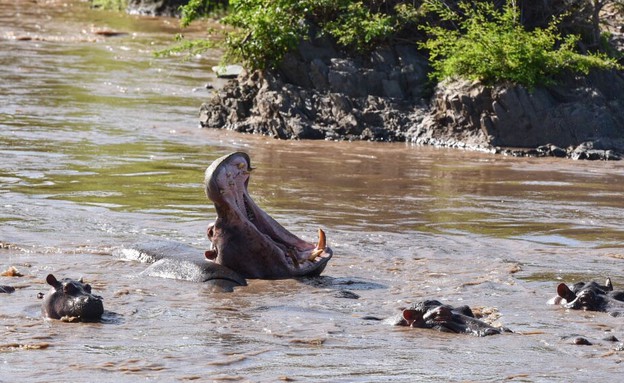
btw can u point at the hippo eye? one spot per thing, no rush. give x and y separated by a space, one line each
87 287
69 288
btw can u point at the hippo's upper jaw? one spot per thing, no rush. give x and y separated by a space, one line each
245 238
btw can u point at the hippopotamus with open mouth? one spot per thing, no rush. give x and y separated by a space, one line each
446 318
245 241
590 297
72 299
245 238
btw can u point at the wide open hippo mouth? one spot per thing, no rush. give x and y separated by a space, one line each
245 238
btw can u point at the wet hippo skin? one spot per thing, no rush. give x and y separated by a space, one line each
435 315
590 296
71 298
169 259
245 238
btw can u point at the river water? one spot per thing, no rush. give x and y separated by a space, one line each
99 146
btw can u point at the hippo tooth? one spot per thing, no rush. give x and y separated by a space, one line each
322 243
315 253
320 247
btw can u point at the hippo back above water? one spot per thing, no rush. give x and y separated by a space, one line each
69 298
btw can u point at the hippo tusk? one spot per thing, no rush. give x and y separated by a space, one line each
320 247
322 243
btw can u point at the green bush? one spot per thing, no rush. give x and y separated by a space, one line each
470 39
492 46
265 30
355 26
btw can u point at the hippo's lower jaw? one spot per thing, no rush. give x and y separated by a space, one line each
245 238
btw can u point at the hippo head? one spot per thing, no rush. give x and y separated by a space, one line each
584 296
245 238
435 315
71 298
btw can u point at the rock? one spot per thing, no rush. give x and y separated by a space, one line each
583 114
318 93
227 71
155 7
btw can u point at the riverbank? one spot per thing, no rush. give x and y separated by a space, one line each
318 92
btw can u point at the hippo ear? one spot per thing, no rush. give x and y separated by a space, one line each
564 292
51 280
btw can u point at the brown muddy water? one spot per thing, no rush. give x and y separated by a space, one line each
99 146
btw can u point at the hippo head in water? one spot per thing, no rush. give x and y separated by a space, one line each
590 296
435 315
245 238
72 299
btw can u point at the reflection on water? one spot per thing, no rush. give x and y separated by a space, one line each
99 146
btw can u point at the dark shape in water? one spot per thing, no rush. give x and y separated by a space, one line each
590 296
7 289
435 315
72 299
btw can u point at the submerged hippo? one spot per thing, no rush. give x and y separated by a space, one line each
176 260
590 297
245 238
435 315
7 289
72 299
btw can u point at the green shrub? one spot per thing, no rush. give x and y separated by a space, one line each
471 39
355 26
265 30
492 46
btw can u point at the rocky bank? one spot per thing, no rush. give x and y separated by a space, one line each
319 93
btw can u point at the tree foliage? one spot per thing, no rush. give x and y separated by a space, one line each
493 46
475 39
